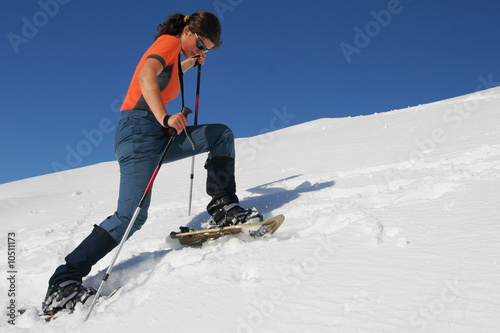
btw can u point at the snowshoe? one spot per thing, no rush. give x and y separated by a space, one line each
191 237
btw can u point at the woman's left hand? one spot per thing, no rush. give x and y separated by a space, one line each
201 59
191 62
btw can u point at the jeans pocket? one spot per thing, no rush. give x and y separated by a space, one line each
146 132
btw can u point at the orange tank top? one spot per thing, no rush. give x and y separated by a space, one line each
165 49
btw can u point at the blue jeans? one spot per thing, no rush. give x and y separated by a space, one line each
139 142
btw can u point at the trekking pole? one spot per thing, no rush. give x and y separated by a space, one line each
185 111
195 123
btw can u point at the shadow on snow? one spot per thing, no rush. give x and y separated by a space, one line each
268 197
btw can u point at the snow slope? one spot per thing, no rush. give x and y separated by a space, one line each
392 226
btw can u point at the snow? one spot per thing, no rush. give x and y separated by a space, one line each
392 225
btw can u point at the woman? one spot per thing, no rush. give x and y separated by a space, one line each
139 142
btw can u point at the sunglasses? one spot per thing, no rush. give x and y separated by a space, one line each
199 44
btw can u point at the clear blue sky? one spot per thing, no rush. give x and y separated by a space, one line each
65 68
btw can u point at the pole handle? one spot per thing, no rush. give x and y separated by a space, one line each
197 63
185 111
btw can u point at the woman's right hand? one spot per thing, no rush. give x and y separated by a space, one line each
177 121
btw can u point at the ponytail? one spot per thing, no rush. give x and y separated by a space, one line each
172 26
201 22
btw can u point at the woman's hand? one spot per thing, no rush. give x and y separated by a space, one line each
177 122
201 58
188 63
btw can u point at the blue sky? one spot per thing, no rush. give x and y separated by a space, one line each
66 65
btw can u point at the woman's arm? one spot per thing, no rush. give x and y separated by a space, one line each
151 91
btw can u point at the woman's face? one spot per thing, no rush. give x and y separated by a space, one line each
189 44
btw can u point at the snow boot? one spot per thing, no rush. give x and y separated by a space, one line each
233 214
221 185
87 254
65 296
224 208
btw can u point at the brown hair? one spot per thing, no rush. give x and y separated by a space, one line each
204 23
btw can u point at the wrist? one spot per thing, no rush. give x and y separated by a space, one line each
165 121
